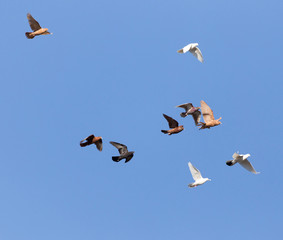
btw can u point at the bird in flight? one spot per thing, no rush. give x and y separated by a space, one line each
199 180
208 117
124 153
243 160
37 29
193 48
92 140
173 124
191 110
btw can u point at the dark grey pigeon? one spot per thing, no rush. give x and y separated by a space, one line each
191 110
124 153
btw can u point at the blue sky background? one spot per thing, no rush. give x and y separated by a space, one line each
111 69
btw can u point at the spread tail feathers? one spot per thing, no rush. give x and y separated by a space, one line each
29 36
164 131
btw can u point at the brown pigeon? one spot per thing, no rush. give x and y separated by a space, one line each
92 140
191 110
124 153
172 124
208 117
37 29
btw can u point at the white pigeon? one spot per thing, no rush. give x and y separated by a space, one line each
192 47
199 180
243 160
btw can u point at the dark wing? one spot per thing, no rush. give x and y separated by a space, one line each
34 25
186 106
129 158
172 122
207 113
197 116
87 140
99 144
121 147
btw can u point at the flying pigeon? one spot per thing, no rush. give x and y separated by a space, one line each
192 47
174 125
92 140
243 160
208 117
123 150
37 29
191 110
199 180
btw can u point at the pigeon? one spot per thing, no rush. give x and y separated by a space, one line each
243 160
172 124
208 117
92 140
199 180
191 110
192 47
124 153
37 29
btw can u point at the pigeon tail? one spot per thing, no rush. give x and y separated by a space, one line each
191 185
29 36
116 159
164 131
183 114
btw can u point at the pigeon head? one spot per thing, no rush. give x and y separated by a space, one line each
182 127
230 163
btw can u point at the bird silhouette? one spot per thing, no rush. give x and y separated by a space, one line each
199 180
173 124
92 140
208 117
192 47
37 29
242 159
191 110
124 153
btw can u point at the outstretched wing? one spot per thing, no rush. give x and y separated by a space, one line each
186 106
172 122
34 25
195 172
197 116
247 165
207 113
99 144
87 140
197 53
121 147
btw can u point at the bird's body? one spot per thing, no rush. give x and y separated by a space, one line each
92 140
242 159
37 29
191 110
192 48
124 153
199 180
174 125
208 117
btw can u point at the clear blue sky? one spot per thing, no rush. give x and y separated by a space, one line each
111 69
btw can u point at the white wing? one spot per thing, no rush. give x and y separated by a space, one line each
247 165
197 53
195 172
185 49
